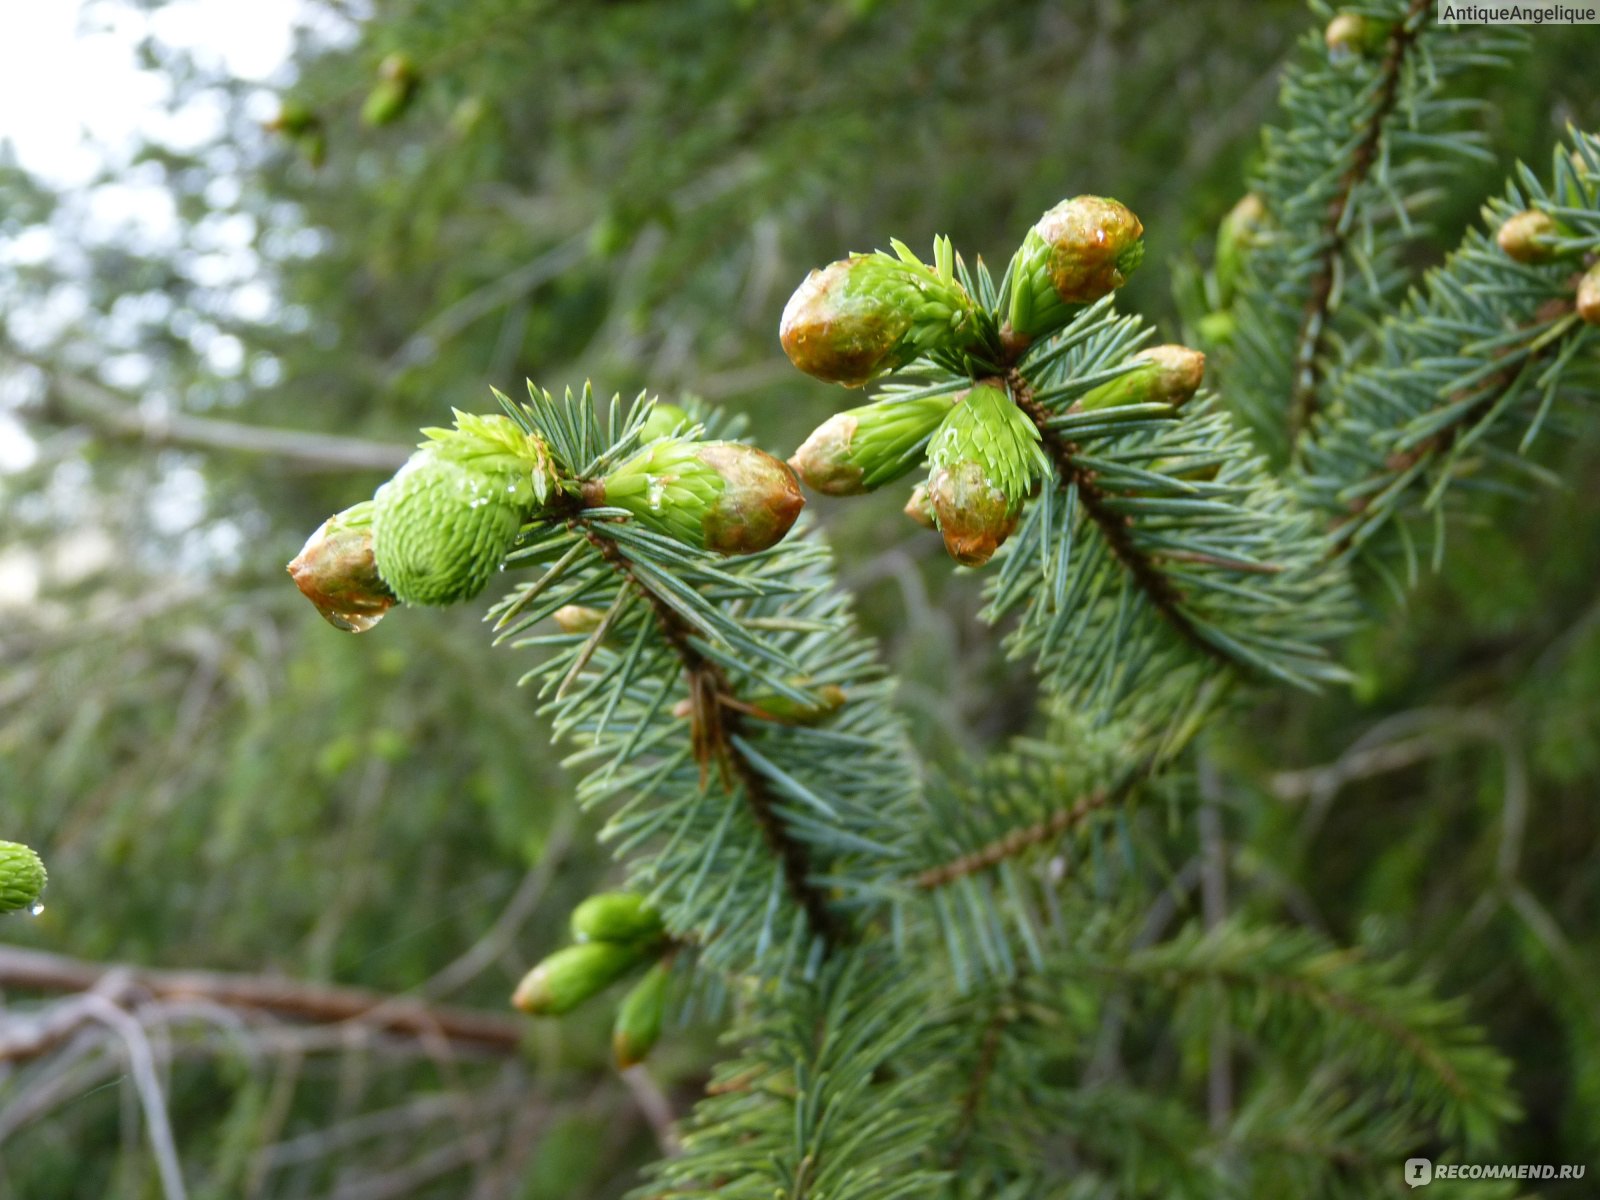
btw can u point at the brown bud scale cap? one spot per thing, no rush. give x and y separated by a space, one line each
760 501
822 462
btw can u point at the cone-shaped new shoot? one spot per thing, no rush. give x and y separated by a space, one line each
572 974
444 524
1529 237
720 496
864 448
871 313
22 877
1168 374
986 461
1589 295
640 1017
337 572
396 88
1079 251
786 710
616 917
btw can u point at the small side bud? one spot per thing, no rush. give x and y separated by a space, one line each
862 449
986 461
1589 295
1217 328
22 877
786 710
725 497
1239 233
639 1019
858 318
444 524
1168 374
572 975
396 89
577 618
1528 237
1352 35
1079 251
336 571
616 917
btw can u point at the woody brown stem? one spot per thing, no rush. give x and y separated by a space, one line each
1116 528
1304 397
715 723
1015 842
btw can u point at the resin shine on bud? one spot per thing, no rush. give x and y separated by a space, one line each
986 461
337 572
1078 252
868 314
725 497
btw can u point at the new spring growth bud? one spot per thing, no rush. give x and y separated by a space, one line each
640 1017
397 87
862 316
1353 35
786 710
664 420
720 496
304 128
444 524
336 571
920 507
1160 375
864 448
1217 328
22 877
1589 295
1079 251
986 461
1239 233
616 917
1528 237
571 975
577 618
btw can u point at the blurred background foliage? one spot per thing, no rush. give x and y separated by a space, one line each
628 191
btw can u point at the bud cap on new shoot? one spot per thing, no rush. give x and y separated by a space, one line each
987 460
336 571
864 448
725 497
1589 295
868 314
1169 374
1528 237
1081 250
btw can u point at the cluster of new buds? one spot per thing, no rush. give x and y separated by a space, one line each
868 314
439 530
982 445
614 934
22 877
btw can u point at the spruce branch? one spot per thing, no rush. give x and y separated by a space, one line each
1487 353
1372 132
